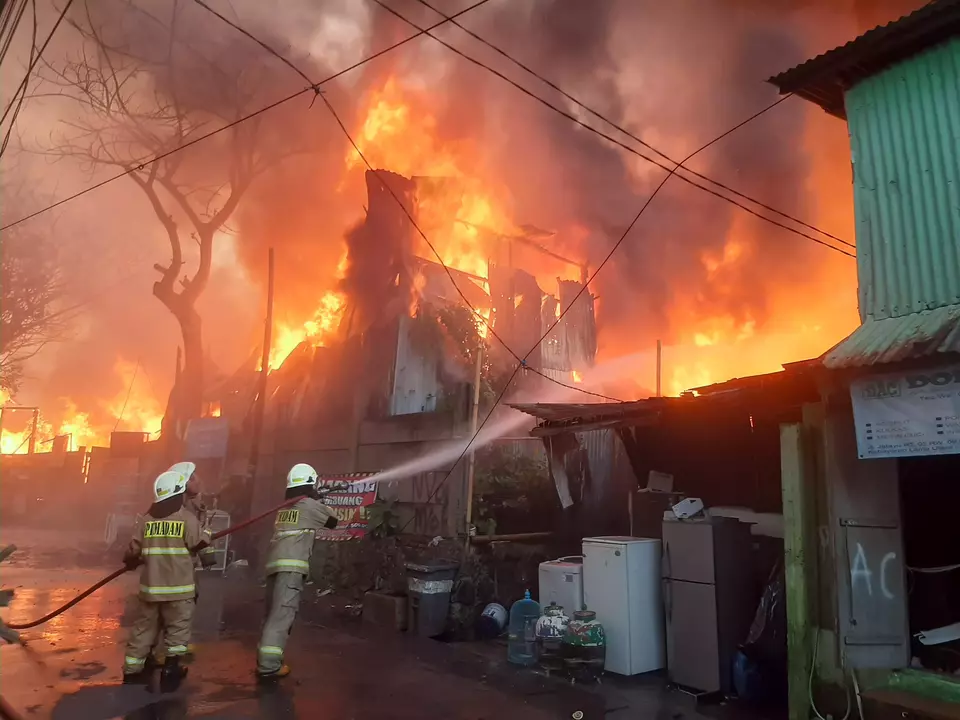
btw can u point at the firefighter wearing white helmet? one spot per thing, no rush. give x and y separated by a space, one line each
288 562
192 502
163 543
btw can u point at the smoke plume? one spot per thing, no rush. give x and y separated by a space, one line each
695 271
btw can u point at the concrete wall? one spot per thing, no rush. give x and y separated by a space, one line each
430 503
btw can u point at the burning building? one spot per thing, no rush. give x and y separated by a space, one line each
438 318
480 168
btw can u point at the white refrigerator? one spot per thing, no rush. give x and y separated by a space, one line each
621 583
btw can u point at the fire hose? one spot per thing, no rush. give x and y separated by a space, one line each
7 712
117 573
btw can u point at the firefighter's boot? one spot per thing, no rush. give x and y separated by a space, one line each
270 677
160 654
172 674
137 678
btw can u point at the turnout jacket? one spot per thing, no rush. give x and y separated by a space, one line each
195 505
166 546
294 533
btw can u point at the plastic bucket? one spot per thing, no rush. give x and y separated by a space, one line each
492 621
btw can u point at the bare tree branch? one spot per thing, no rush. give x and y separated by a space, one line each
32 309
144 90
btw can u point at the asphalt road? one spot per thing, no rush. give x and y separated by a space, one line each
70 667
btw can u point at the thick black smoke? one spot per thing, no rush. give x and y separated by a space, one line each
676 74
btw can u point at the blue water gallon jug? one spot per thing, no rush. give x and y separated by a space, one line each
522 643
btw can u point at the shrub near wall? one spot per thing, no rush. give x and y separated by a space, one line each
496 572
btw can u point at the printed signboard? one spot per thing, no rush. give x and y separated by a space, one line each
207 438
349 499
915 412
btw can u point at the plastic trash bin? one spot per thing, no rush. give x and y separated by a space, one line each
428 596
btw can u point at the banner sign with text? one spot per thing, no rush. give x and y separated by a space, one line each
349 495
915 412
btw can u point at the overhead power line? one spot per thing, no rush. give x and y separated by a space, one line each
10 20
446 269
600 267
629 134
22 89
139 165
630 149
399 202
521 364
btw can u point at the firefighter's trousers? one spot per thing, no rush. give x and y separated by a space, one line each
160 643
174 616
283 601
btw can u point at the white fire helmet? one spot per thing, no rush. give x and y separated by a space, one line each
187 469
169 484
301 474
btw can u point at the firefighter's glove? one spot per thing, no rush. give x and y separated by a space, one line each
208 557
331 523
132 562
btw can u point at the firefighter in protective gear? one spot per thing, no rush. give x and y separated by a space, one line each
192 498
192 502
288 563
164 542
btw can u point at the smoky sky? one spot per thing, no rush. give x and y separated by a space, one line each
675 74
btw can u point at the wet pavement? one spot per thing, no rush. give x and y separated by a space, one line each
70 669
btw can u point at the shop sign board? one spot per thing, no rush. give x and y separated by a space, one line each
350 500
909 413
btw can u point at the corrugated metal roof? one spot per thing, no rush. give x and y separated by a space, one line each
905 144
824 79
786 387
592 412
895 339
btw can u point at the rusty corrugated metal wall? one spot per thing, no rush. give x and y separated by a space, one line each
905 140
604 500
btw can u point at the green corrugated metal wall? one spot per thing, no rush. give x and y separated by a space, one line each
905 141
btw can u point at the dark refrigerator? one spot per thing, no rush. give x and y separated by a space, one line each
709 599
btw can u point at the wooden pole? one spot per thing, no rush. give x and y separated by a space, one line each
513 537
261 403
474 418
32 446
800 556
659 366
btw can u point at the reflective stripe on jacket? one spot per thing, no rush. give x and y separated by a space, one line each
293 536
165 545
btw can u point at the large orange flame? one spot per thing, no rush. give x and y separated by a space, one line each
400 133
133 408
319 328
462 215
